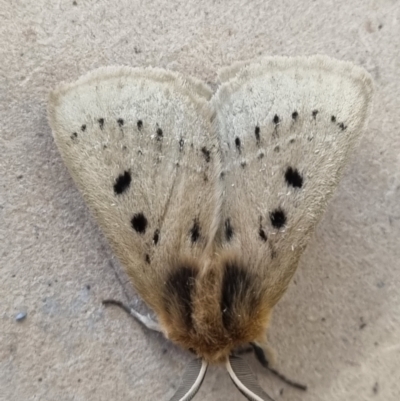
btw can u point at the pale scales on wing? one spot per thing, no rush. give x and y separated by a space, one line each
211 296
139 145
286 129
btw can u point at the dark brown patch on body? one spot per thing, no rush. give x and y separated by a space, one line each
237 292
179 291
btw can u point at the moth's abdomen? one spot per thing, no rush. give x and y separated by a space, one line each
212 310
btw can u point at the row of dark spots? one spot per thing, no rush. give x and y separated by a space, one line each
276 120
101 121
278 220
159 131
120 122
139 223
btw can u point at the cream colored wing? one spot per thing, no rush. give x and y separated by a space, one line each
287 127
139 145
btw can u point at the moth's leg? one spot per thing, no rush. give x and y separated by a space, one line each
260 350
145 320
245 349
266 353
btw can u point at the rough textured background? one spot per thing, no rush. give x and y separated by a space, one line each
338 326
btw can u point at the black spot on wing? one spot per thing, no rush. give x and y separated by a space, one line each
293 177
262 234
333 119
238 290
160 134
139 124
206 154
83 128
257 134
295 114
238 144
74 135
156 237
181 143
278 218
101 122
314 114
120 122
342 126
195 231
228 230
122 182
147 258
139 223
179 289
276 119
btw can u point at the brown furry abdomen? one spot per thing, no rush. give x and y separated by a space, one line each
214 310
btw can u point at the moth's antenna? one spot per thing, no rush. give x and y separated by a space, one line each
244 379
259 353
191 380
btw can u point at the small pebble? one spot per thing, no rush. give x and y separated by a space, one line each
20 316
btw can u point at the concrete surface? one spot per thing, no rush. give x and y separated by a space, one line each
337 328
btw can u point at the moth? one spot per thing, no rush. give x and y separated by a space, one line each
209 199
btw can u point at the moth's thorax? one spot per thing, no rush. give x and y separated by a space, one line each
212 312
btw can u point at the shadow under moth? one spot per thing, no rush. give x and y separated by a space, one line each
209 199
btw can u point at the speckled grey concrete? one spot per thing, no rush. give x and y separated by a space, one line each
338 326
